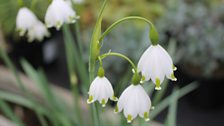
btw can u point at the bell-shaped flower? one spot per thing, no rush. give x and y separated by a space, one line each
25 20
155 64
58 13
38 32
134 101
101 90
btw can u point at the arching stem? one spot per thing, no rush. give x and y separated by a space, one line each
153 34
121 56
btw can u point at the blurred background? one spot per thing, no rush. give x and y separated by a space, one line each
194 29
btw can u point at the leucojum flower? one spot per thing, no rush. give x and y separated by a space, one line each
26 21
155 64
38 32
134 101
58 13
101 89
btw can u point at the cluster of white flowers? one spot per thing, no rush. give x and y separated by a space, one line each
58 13
154 64
26 21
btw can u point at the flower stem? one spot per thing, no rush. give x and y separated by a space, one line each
94 52
71 66
121 56
153 34
78 37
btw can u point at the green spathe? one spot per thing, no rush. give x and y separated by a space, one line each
136 79
101 72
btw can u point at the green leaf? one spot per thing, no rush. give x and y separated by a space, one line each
9 113
94 52
172 113
38 80
41 81
159 94
19 100
33 105
12 68
165 103
75 60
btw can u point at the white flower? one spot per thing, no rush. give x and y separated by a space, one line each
25 20
38 32
134 101
155 64
101 90
58 13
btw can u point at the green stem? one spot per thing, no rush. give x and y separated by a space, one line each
69 51
76 97
121 56
100 61
94 52
153 34
78 38
76 58
94 43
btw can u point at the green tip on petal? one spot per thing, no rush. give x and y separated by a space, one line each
116 109
146 116
174 68
129 118
143 78
21 32
173 78
71 19
114 98
90 100
103 102
158 87
58 25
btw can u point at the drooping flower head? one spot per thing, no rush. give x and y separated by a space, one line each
37 32
101 90
155 64
58 13
25 20
134 101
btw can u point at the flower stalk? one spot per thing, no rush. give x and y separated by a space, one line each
94 52
121 56
153 34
